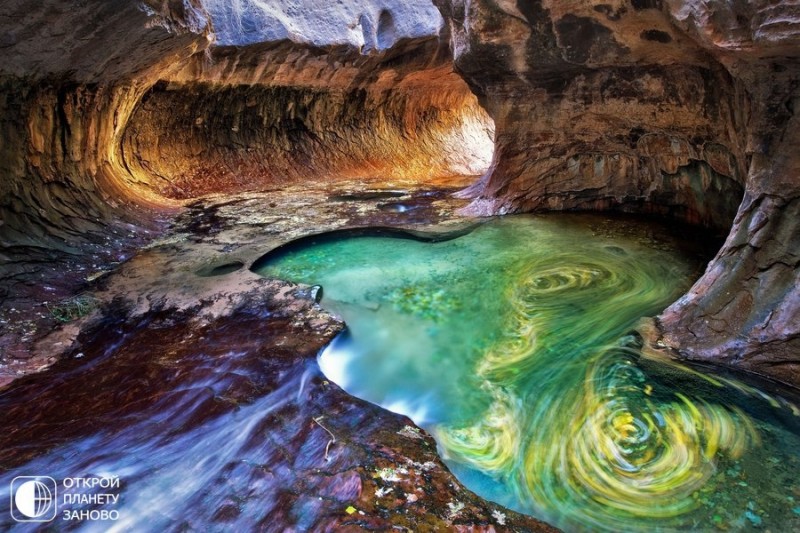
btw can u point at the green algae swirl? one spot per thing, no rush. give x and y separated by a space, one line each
583 434
512 345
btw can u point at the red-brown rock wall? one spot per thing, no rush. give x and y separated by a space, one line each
285 114
83 152
680 108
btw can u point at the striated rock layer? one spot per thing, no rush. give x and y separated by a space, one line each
678 108
113 113
274 114
114 105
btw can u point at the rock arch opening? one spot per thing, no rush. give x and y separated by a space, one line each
251 121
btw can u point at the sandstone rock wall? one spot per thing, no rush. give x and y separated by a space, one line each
745 311
682 108
273 115
71 79
365 25
112 111
600 106
82 154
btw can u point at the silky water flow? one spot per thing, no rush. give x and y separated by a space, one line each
514 346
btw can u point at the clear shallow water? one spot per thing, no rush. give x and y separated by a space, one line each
512 345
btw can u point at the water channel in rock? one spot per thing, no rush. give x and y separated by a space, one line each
514 345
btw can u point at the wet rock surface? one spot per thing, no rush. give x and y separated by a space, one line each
743 311
379 472
683 109
101 140
189 263
102 146
167 342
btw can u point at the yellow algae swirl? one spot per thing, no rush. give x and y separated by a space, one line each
574 427
491 444
514 346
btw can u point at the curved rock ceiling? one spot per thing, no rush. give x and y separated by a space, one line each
90 110
112 112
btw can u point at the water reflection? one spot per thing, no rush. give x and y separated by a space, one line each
512 345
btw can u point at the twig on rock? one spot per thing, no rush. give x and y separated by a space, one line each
333 437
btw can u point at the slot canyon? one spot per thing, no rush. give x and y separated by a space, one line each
218 219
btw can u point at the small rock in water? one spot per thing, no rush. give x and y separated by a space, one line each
754 518
316 293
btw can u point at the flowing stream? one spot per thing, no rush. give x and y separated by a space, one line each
514 346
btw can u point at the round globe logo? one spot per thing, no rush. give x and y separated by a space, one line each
34 499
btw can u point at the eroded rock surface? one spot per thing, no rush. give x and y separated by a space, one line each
600 106
220 370
677 108
303 453
370 25
113 114
81 151
116 113
271 115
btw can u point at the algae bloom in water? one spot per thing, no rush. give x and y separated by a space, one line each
513 346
